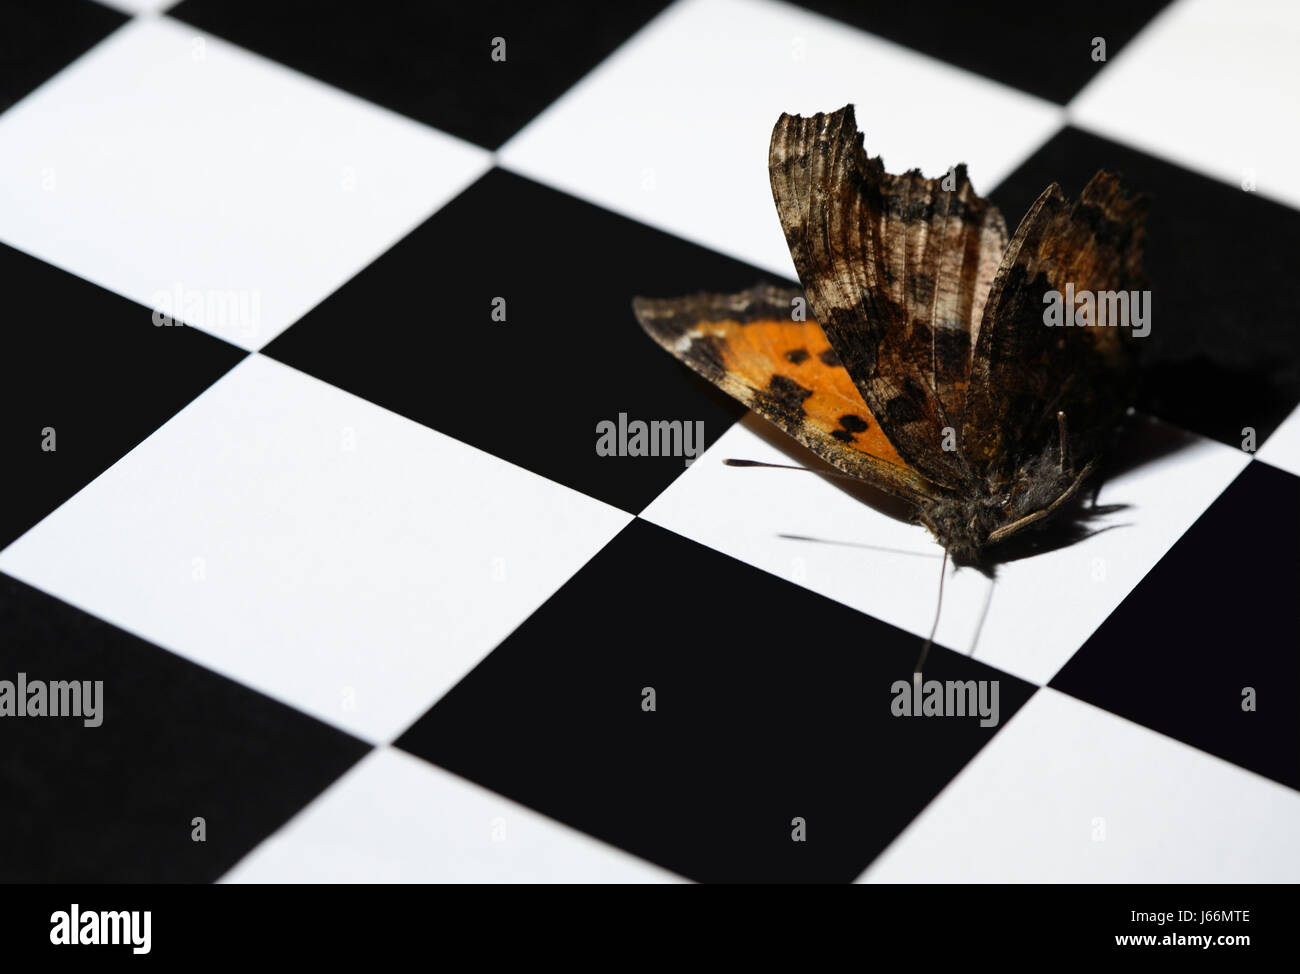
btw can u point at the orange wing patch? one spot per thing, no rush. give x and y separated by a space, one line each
792 360
785 370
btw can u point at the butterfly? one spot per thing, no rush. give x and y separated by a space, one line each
917 357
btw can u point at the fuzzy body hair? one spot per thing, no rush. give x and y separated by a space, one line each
967 524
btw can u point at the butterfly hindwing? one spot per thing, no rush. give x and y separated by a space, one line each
1024 371
750 345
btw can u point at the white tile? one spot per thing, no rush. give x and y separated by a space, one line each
396 819
1040 609
139 6
1211 85
1067 792
311 545
169 162
673 128
1282 449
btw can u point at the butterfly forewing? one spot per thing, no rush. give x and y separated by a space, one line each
897 269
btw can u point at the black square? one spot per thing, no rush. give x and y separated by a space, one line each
116 802
94 368
413 332
771 703
1046 49
39 38
1221 354
434 62
1216 615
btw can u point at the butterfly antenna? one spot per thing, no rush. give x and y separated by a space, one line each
732 462
858 544
1067 462
925 650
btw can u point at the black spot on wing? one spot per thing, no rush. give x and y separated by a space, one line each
797 356
854 424
829 357
952 351
783 398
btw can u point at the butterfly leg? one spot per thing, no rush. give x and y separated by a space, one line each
1006 531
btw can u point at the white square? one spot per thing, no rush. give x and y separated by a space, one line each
1037 612
144 7
1069 793
673 128
1282 449
213 185
396 819
315 547
1211 85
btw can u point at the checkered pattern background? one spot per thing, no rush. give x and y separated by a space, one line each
365 599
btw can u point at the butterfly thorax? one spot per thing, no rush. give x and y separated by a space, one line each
969 521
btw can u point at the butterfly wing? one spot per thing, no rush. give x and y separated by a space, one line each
896 269
750 345
1025 371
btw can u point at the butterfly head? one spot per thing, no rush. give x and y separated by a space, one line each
968 523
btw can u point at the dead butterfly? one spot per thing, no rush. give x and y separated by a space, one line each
926 367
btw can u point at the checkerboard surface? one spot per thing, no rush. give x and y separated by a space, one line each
364 597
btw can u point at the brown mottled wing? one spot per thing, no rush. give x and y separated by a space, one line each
896 268
1025 371
785 370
